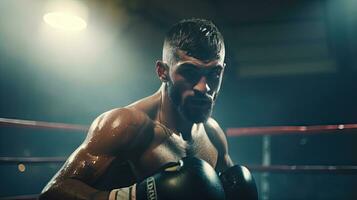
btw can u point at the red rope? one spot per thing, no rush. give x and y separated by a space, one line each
41 124
277 130
270 130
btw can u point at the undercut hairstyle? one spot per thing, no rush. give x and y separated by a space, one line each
199 38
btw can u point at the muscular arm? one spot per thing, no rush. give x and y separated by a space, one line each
219 140
74 178
111 136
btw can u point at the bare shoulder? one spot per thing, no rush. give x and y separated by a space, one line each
116 130
216 135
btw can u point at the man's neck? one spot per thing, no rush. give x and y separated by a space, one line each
169 116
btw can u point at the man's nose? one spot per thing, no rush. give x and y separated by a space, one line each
202 86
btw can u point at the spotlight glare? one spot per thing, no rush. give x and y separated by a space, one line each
64 21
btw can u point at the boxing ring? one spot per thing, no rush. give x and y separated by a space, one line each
265 169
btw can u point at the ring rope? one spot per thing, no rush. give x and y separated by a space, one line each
278 130
269 130
41 124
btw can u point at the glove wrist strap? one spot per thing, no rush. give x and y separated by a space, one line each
127 193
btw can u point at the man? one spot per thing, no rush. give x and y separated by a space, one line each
126 145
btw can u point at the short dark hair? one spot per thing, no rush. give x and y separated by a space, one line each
200 38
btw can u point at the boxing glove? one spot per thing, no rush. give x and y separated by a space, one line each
238 184
190 178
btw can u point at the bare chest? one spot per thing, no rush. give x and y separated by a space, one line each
170 147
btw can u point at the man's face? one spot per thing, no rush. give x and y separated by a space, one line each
194 84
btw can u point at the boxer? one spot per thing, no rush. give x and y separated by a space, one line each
129 151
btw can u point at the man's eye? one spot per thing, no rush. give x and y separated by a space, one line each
190 74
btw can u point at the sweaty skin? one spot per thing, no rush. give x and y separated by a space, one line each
126 145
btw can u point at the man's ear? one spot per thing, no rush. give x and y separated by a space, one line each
162 71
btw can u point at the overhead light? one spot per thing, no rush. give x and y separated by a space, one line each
65 21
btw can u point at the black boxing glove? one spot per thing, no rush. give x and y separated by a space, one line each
190 178
239 184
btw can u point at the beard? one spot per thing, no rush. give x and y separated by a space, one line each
196 109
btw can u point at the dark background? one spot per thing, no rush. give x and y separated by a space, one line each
289 62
